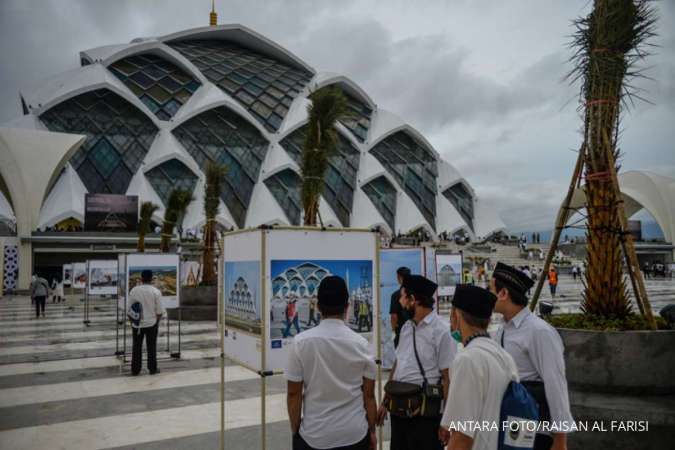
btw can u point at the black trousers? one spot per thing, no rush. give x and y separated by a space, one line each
543 442
300 444
40 305
150 334
415 434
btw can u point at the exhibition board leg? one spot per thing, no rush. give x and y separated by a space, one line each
378 335
221 327
174 355
168 334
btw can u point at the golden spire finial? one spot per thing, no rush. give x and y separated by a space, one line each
213 16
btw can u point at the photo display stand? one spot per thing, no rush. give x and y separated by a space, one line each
102 280
166 277
390 260
449 272
267 285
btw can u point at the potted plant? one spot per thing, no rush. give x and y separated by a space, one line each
200 302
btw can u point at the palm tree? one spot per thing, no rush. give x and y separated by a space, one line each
328 106
147 210
175 210
214 178
609 44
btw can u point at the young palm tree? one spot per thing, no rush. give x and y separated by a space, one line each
147 210
214 179
609 44
175 210
328 106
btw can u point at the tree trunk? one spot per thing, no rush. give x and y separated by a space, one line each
605 288
209 275
140 248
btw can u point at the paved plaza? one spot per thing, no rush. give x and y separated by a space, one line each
61 387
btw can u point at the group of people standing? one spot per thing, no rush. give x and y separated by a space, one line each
443 376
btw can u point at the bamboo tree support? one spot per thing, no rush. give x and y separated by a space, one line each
635 275
561 221
639 290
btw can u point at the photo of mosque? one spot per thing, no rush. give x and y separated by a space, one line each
241 301
295 283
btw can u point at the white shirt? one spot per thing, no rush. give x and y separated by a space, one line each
480 375
150 299
435 348
331 360
538 351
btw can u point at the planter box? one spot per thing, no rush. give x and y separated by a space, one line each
197 303
626 362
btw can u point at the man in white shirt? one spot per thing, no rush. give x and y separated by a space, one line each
480 375
331 379
537 350
145 311
436 352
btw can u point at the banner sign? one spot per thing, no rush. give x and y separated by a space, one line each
110 212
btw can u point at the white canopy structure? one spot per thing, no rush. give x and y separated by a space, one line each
640 189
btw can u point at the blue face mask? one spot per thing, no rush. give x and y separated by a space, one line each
456 335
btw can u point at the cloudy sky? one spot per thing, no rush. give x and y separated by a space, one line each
482 80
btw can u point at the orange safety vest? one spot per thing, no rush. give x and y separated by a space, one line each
552 277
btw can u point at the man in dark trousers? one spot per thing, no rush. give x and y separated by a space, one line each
145 311
425 354
331 379
536 349
397 314
39 289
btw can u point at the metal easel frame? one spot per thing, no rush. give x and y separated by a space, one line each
123 351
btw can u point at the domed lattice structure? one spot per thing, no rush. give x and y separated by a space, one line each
156 111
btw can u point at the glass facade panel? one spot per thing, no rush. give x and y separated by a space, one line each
171 175
118 138
157 82
414 167
340 177
248 76
383 195
220 135
461 199
358 120
285 187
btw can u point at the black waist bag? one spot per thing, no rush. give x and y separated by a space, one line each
403 399
411 400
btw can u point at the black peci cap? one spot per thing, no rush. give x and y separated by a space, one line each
474 300
513 278
333 291
417 284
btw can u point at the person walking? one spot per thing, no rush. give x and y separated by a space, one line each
291 317
312 312
363 315
39 290
552 281
59 291
480 374
574 273
397 314
330 377
537 351
145 311
423 359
